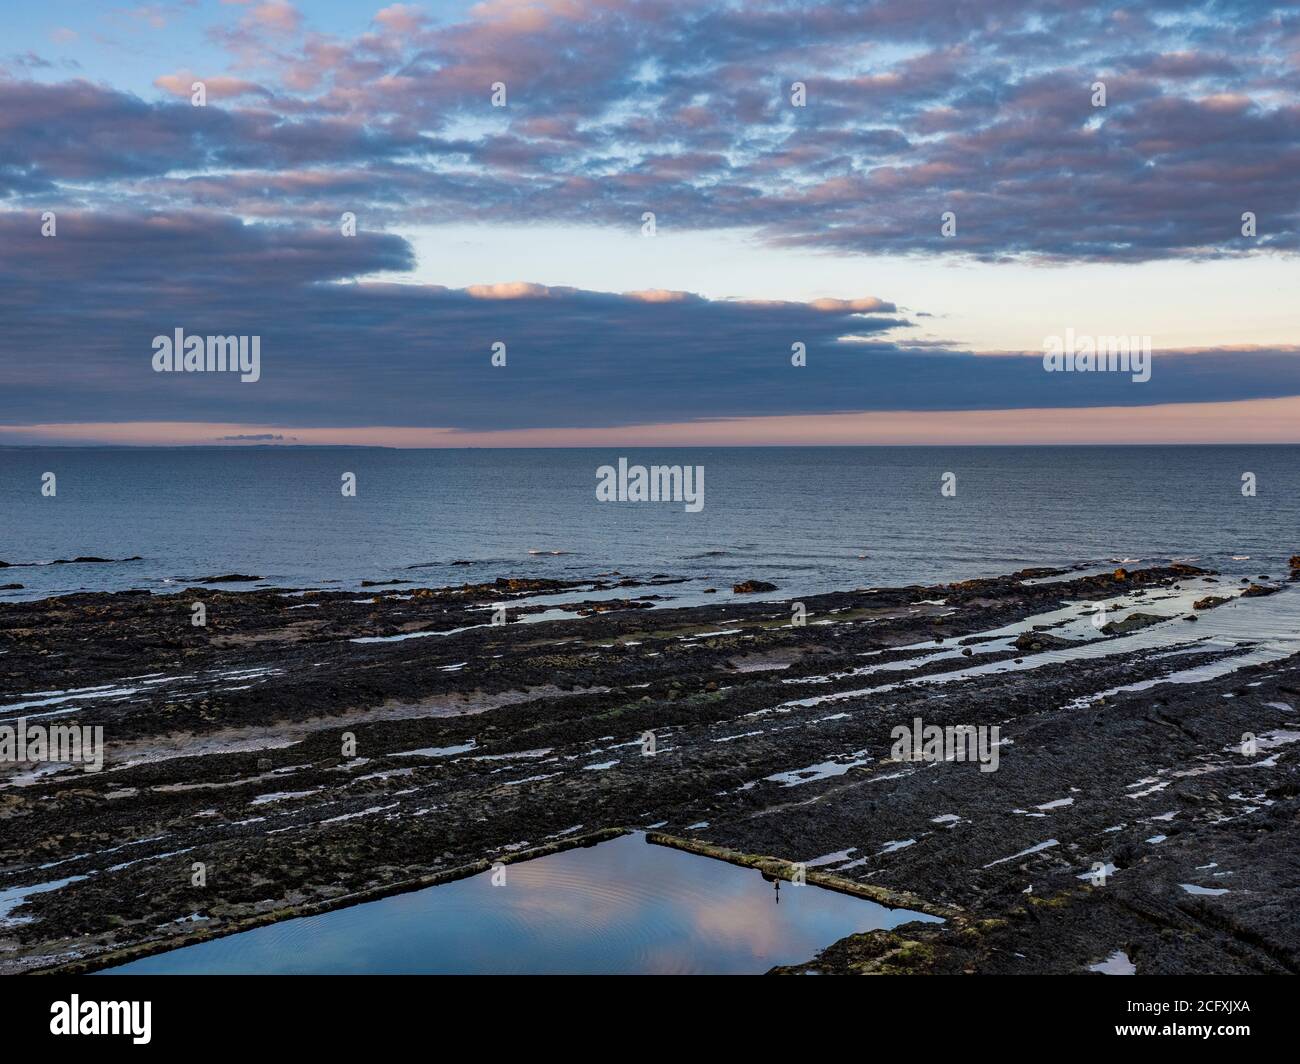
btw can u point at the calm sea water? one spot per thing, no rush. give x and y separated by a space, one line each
620 907
802 518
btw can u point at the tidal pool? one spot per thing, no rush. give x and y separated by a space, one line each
623 906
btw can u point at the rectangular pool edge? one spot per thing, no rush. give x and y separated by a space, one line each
783 869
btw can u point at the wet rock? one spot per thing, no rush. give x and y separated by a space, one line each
1121 573
1209 602
1037 573
1042 641
87 559
1132 623
563 685
588 609
227 578
511 583
1256 590
749 587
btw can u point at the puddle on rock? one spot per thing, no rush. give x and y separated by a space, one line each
622 906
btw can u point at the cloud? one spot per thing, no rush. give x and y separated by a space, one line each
277 15
620 106
218 88
1252 421
76 131
512 290
81 310
401 18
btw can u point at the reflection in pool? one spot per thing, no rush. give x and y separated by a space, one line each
619 907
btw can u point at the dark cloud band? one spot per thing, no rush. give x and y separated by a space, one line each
81 311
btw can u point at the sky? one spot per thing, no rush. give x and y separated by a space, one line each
746 223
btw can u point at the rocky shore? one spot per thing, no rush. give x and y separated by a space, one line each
312 747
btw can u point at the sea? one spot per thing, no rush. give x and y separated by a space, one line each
807 519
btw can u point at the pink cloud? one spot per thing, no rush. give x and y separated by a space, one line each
1253 421
401 18
278 15
219 87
